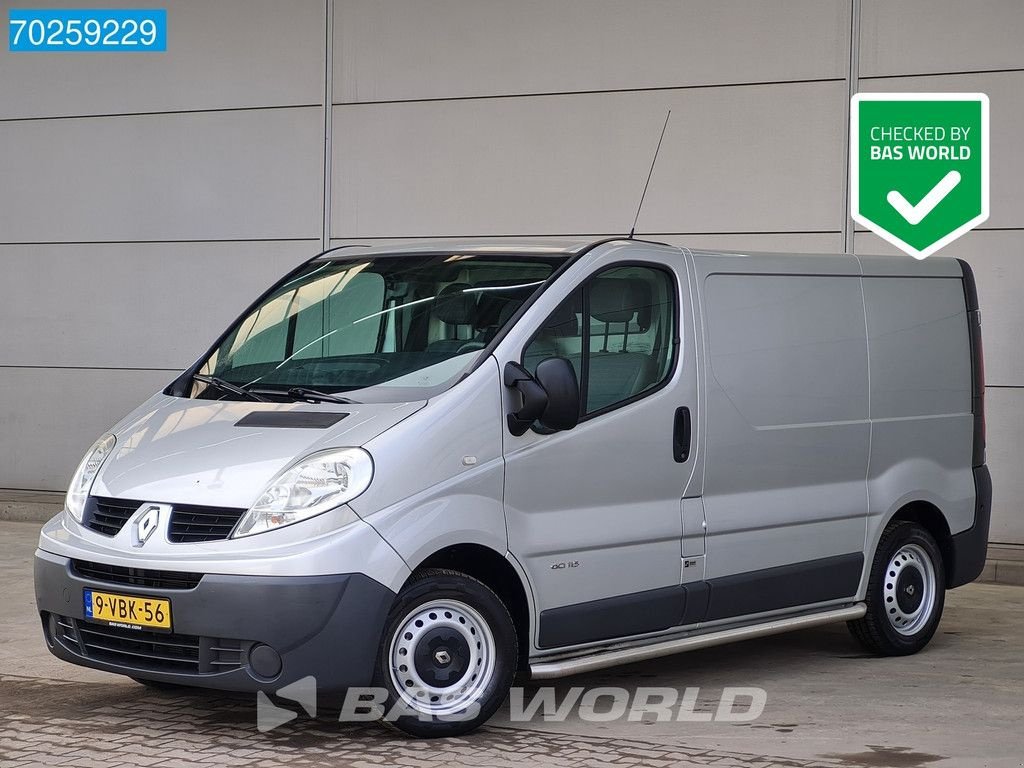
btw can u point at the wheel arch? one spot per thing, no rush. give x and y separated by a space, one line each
498 573
930 517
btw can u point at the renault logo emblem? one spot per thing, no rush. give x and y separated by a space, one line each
146 522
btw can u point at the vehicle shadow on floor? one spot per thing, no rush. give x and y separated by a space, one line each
112 722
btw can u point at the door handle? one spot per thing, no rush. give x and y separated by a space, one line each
681 435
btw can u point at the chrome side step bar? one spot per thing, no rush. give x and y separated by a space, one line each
546 670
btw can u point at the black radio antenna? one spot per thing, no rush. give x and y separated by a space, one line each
649 174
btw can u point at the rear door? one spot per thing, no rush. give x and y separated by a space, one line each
594 513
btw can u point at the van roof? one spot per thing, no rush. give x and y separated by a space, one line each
761 261
868 265
474 245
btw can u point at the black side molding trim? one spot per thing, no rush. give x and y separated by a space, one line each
698 593
610 617
785 586
970 547
291 419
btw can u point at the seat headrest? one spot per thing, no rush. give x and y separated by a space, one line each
454 306
507 310
488 309
563 322
499 299
615 300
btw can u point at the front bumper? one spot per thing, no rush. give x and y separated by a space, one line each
325 626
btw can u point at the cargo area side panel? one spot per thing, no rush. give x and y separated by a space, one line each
788 436
920 399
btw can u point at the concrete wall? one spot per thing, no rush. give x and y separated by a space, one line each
147 198
945 45
144 199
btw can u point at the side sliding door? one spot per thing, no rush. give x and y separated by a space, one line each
785 494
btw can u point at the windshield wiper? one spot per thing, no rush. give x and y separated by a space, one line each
227 386
313 395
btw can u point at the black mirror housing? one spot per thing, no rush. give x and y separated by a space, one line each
558 379
535 399
550 399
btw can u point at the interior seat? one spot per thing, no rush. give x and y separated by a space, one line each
562 324
454 307
494 310
617 375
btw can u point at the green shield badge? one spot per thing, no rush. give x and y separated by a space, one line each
919 166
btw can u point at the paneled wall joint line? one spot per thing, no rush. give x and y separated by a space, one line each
325 239
581 235
158 113
164 242
16 494
853 83
861 231
1002 70
599 91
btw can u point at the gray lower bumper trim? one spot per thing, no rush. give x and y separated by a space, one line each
325 626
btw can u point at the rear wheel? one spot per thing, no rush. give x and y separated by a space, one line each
906 592
447 656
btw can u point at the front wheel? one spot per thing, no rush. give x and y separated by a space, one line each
906 592
447 656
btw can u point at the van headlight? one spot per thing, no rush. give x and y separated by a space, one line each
82 480
309 487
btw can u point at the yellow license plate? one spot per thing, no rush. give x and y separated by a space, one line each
128 611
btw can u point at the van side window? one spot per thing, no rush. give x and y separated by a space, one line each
618 330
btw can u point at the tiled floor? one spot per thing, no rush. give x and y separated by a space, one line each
957 704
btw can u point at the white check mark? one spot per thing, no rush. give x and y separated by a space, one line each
915 213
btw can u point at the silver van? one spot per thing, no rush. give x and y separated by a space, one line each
428 468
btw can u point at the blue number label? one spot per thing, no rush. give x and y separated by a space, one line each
85 29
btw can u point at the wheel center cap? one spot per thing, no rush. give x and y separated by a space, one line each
910 590
441 657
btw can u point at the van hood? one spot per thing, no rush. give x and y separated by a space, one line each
181 451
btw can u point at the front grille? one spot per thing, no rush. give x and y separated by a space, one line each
194 523
108 516
190 523
138 577
149 651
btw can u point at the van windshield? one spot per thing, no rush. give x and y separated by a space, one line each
387 328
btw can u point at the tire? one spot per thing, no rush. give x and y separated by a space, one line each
461 644
906 592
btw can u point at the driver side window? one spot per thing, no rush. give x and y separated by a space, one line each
618 330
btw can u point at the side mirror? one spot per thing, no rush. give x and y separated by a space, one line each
558 378
535 399
552 398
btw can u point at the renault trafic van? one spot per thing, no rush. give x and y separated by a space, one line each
427 468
